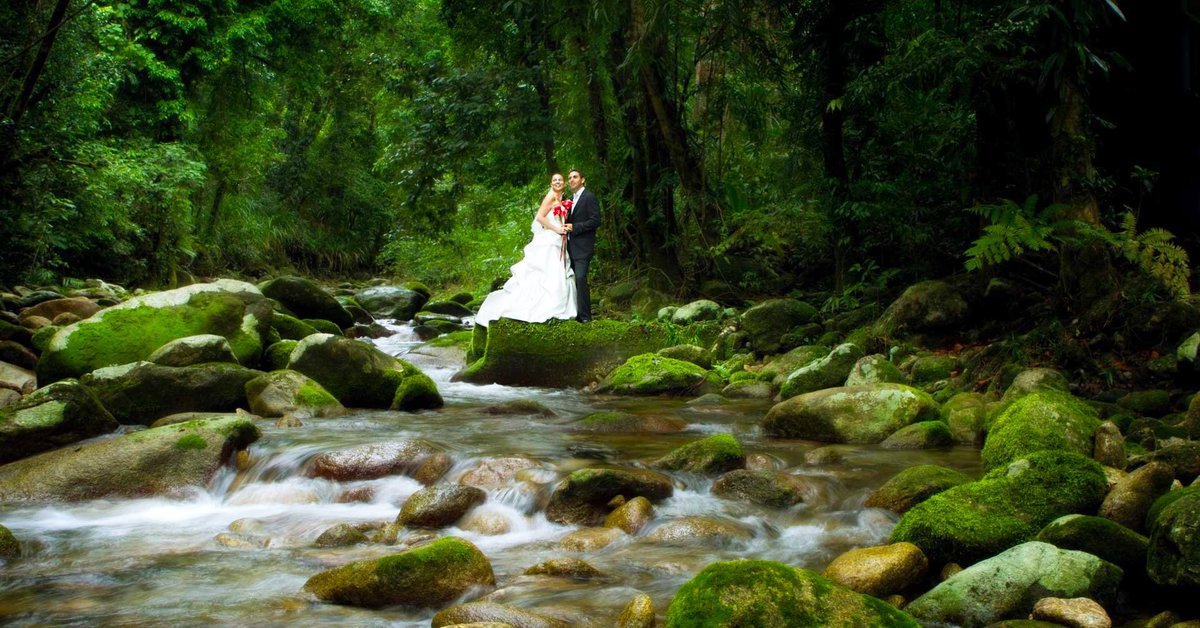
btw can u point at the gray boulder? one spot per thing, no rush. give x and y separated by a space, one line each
375 379
767 323
874 369
191 350
701 310
62 413
391 302
304 298
142 392
827 372
863 414
280 393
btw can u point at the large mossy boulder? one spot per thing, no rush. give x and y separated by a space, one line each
767 593
913 486
765 487
1010 505
283 392
862 414
653 374
768 322
1173 558
304 298
53 416
392 302
874 369
1106 539
701 310
583 497
965 414
1008 585
778 368
929 306
1045 419
362 376
626 423
828 372
135 329
142 392
920 435
192 350
558 353
429 576
164 461
716 454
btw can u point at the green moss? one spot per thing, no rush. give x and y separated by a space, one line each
1165 500
191 441
931 368
312 395
1041 420
767 593
1101 537
715 454
42 337
40 416
651 374
292 328
460 338
914 485
920 435
415 391
10 548
277 355
1008 506
323 326
418 287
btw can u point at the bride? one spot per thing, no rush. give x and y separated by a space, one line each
542 285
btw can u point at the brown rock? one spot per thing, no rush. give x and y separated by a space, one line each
81 307
639 613
1080 612
1109 446
879 571
17 354
372 461
631 516
64 319
590 539
768 488
35 322
16 378
433 468
289 420
440 505
823 455
496 472
565 567
762 462
490 613
1129 501
702 531
486 523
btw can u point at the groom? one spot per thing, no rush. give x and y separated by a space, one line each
581 225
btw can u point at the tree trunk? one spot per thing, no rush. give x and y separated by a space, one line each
21 104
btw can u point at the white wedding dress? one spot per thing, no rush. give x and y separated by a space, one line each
542 285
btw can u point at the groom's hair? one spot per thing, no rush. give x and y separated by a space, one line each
576 170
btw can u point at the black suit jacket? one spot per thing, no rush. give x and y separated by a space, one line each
584 218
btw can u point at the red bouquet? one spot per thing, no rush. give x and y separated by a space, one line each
561 212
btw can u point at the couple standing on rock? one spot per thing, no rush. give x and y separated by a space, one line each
551 280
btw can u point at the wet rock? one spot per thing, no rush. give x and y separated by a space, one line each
1033 380
439 505
446 308
36 322
583 497
866 414
53 416
1182 456
965 414
1079 612
292 328
566 568
81 307
497 472
133 330
163 461
304 298
276 357
820 456
433 468
920 435
391 302
590 539
928 306
708 399
17 355
652 374
1129 501
700 310
16 378
1008 506
768 323
763 462
879 571
748 389
8 397
1173 558
280 393
429 576
1153 403
778 368
827 372
1008 585
776 489
519 406
377 380
367 462
767 593
191 350
475 613
639 613
340 535
10 548
625 423
1040 420
242 541
1101 537
874 369
699 531
716 454
688 353
486 523
1109 446
631 516
141 392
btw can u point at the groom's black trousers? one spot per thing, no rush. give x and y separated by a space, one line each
583 298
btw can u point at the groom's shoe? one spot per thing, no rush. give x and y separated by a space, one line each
584 320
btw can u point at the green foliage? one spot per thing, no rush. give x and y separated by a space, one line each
1012 230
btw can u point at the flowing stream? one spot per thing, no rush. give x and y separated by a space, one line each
240 552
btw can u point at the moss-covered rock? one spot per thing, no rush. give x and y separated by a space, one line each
493 615
638 613
1008 506
928 369
1155 403
1166 500
775 489
748 389
142 392
304 298
429 576
701 310
1130 499
652 374
1034 380
341 535
827 372
626 423
920 435
194 350
879 571
913 486
583 497
163 461
1007 586
565 568
559 353
767 593
964 414
53 416
1182 456
863 414
530 407
374 379
1101 537
689 353
1046 419
874 369
375 460
278 393
928 306
40 340
767 323
133 330
277 356
323 326
10 548
1173 556
716 454
291 328
778 368
439 505
631 516
392 302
